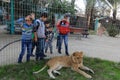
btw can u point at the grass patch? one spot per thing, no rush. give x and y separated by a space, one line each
92 32
104 70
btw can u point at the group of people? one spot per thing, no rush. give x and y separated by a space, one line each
38 33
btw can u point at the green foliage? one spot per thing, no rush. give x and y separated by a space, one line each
112 30
104 70
61 7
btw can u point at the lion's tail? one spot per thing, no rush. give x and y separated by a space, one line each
40 70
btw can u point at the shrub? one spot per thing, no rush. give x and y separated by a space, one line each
112 30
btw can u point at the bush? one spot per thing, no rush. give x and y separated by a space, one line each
112 30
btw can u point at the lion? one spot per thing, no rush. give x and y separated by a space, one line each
75 62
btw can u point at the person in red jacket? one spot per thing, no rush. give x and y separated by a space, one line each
63 30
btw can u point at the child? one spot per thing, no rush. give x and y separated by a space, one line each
49 37
63 29
101 30
26 39
39 36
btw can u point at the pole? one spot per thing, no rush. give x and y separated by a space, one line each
12 17
2 6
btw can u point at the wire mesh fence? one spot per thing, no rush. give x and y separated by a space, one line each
13 10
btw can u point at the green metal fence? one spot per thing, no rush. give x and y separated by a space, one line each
15 9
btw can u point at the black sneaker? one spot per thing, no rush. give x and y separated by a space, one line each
37 58
51 52
20 62
59 51
67 53
32 55
44 55
41 58
45 51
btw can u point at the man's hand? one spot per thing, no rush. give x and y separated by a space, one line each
46 40
35 37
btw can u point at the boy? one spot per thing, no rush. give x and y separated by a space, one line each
39 32
63 30
49 37
26 39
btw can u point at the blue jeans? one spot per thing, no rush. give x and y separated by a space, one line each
65 38
33 46
48 44
58 41
40 48
24 44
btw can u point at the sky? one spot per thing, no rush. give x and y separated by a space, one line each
80 4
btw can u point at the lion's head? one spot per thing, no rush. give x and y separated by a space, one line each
77 57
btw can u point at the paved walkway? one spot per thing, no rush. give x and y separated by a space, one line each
106 48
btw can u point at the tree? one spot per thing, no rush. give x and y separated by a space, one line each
59 6
73 3
90 7
113 4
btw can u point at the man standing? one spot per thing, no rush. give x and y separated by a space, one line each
63 29
39 32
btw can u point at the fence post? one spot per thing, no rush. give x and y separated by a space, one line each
12 17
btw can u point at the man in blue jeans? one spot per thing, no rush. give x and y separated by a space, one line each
39 32
63 29
65 38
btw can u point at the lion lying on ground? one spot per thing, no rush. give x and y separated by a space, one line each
75 61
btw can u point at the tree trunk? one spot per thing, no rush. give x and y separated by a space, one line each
73 2
114 16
